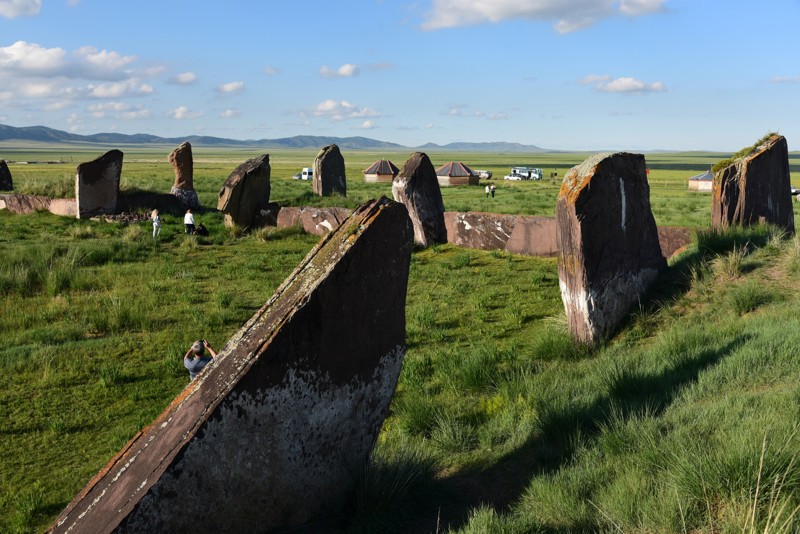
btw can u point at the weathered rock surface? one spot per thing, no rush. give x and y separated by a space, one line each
329 172
22 204
65 207
609 252
273 433
755 188
183 165
245 191
97 184
673 239
6 183
316 221
418 188
533 236
486 231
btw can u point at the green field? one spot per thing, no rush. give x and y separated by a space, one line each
685 422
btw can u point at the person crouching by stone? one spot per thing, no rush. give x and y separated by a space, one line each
188 221
197 357
156 223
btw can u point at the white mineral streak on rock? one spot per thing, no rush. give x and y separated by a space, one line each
624 206
327 225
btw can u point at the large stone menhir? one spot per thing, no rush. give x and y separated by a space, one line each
755 188
418 188
609 252
183 165
245 191
97 185
329 173
6 183
274 432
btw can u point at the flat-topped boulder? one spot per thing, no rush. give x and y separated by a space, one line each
245 191
316 221
608 248
6 183
275 431
417 187
533 236
23 204
97 185
755 187
183 165
472 229
329 172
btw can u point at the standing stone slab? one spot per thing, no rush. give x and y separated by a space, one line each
183 165
273 433
97 185
6 183
245 191
609 252
329 173
418 188
755 188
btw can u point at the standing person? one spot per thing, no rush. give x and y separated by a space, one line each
196 358
487 190
188 221
493 188
156 223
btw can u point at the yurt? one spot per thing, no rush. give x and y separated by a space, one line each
456 173
382 170
701 182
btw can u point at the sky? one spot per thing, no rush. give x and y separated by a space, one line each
559 74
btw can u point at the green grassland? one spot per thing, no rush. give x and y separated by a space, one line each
686 421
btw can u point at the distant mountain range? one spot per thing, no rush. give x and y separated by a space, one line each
43 134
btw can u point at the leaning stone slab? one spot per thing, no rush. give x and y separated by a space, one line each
183 165
273 433
485 231
755 188
245 191
609 252
329 172
97 185
417 187
6 183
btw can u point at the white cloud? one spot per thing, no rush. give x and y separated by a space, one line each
230 113
498 117
230 88
338 110
6 95
102 60
19 8
366 125
565 15
182 112
348 70
785 79
120 89
184 78
118 110
269 70
33 60
607 84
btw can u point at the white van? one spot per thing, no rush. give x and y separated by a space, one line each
307 173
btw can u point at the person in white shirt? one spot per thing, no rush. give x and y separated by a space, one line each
188 221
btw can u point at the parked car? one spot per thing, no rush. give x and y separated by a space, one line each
307 173
482 173
524 173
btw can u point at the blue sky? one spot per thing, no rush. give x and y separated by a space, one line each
559 74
